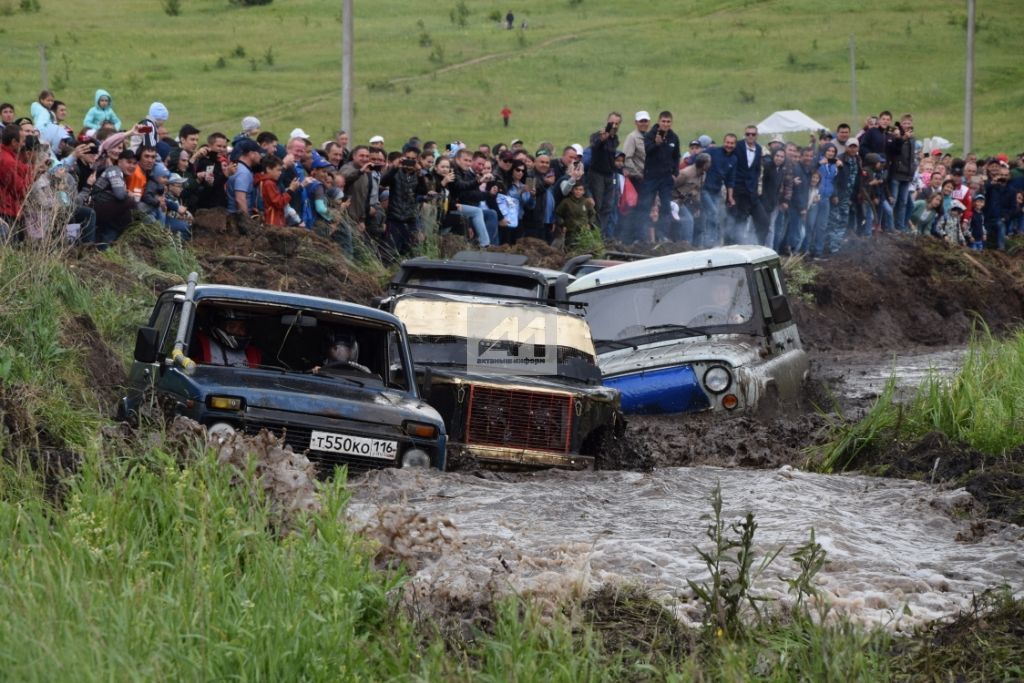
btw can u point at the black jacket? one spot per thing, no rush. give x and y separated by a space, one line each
465 189
662 159
602 154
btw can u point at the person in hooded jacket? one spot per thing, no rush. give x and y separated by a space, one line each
102 111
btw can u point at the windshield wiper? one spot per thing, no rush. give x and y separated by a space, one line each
674 327
614 344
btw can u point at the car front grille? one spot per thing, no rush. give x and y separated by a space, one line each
298 439
520 419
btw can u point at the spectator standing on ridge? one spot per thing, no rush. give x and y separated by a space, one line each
633 168
241 186
688 185
210 172
601 173
407 189
746 200
510 21
899 150
506 113
846 191
722 174
661 165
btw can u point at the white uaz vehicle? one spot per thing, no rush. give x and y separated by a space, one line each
694 331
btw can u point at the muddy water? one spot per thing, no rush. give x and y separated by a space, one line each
891 543
862 376
899 552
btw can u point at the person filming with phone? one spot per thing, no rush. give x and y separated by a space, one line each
601 173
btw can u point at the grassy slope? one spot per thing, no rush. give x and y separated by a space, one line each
717 65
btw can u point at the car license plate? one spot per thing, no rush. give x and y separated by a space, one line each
353 445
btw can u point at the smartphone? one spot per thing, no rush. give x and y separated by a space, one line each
145 129
608 127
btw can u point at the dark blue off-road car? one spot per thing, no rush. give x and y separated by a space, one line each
241 359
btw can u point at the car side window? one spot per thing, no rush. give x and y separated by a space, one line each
169 331
396 370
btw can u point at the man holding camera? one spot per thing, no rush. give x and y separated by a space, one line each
601 174
899 150
406 189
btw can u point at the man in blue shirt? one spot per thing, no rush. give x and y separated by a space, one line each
240 186
721 174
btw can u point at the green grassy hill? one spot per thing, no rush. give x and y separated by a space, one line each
717 64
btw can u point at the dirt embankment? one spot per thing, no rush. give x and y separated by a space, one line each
893 291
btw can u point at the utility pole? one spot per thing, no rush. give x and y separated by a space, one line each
346 67
855 121
969 82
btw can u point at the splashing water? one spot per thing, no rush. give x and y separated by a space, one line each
896 556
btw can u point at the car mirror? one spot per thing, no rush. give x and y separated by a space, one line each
298 320
561 290
780 311
146 340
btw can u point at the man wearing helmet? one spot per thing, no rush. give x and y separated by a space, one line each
227 342
342 352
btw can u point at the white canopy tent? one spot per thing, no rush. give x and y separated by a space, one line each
789 121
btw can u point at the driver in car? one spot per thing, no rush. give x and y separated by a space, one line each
228 342
342 352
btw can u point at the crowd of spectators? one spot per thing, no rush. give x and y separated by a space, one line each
88 183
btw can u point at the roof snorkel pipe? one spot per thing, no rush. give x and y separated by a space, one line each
178 357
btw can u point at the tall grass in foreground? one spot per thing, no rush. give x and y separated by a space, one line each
152 568
982 406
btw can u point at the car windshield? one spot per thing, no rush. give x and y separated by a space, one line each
496 337
356 350
680 305
473 282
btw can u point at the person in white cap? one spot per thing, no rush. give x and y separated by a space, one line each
633 148
633 166
377 142
298 133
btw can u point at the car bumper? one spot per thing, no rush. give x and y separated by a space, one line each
514 458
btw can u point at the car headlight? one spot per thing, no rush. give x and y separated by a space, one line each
717 379
220 431
414 457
